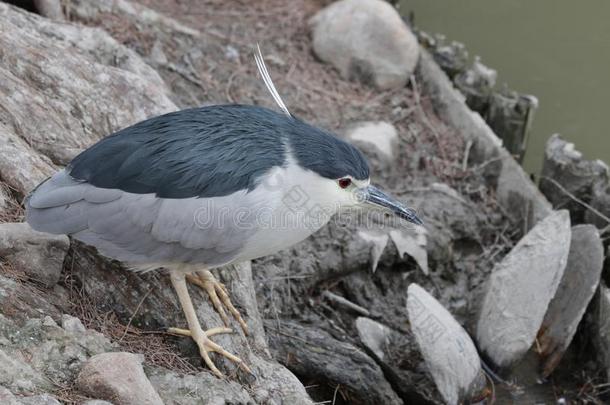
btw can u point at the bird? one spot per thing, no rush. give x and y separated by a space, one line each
205 187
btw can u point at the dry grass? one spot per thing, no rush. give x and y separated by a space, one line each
154 346
14 211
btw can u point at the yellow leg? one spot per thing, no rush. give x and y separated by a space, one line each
199 336
218 295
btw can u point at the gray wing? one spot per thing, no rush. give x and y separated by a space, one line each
143 228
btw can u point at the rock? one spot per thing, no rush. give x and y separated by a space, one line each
450 354
72 85
117 377
19 377
564 167
376 243
312 353
200 388
367 41
39 255
7 397
373 335
577 287
43 399
601 338
412 241
520 288
97 402
72 325
379 139
514 189
50 9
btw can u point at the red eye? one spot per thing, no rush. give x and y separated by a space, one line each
344 183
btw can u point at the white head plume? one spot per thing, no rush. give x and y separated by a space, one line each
262 68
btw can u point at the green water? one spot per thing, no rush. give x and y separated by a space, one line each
557 50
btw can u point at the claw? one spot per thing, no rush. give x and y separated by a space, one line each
218 295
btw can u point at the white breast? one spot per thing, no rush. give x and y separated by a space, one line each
299 203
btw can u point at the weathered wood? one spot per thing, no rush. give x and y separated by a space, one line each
577 287
520 288
312 353
450 354
578 176
601 337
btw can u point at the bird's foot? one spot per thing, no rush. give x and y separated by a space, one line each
219 295
202 338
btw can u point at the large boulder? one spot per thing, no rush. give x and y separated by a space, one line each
65 86
520 288
367 41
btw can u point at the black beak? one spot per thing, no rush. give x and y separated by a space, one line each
373 196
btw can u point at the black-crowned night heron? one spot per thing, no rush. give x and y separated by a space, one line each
205 187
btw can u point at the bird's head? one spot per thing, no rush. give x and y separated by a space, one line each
341 173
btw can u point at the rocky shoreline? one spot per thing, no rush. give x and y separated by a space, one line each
360 313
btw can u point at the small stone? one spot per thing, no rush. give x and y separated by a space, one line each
450 354
97 402
367 41
157 54
380 139
39 255
373 335
48 321
520 288
577 287
72 325
117 377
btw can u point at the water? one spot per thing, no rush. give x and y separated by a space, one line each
558 50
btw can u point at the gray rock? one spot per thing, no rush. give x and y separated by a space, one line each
367 41
50 9
602 325
450 354
39 255
200 388
377 139
43 399
577 287
373 335
566 166
19 377
520 288
72 325
7 397
97 402
117 377
97 86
